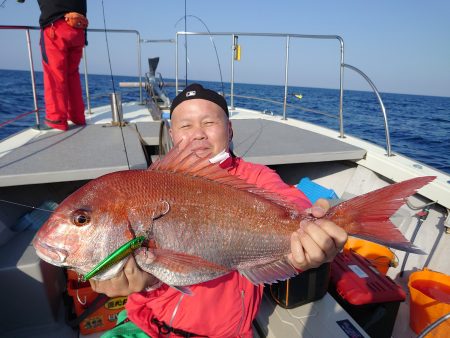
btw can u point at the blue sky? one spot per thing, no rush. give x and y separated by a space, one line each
402 45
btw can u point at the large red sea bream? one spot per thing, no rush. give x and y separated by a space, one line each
199 223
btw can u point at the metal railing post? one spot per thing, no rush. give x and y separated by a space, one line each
86 81
286 77
33 81
341 91
139 67
233 51
176 64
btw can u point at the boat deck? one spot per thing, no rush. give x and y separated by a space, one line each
82 153
271 142
78 154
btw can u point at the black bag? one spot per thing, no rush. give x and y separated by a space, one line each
306 287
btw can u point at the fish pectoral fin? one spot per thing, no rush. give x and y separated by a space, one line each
184 263
178 269
270 273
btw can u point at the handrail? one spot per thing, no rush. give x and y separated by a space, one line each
30 59
235 35
28 28
380 101
138 44
283 35
86 82
433 325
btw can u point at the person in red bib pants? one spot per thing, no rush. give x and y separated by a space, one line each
63 36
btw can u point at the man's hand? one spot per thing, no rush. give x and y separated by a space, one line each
315 243
130 279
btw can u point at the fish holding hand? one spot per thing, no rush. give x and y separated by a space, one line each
196 222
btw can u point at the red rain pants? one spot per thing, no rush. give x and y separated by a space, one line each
62 49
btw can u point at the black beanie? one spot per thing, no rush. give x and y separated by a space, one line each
196 91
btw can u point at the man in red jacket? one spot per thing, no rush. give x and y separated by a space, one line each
63 36
226 306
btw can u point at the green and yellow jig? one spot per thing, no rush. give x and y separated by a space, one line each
115 257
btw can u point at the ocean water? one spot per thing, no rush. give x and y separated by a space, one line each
419 125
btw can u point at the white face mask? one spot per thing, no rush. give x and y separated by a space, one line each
220 157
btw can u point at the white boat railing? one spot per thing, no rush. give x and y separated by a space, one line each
27 30
234 36
30 59
380 101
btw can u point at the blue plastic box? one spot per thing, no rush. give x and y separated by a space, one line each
315 191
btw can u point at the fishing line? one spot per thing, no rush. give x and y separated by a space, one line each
213 43
27 206
107 49
112 81
59 214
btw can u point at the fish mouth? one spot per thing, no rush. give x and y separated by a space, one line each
52 255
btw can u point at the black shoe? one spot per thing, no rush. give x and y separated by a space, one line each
45 127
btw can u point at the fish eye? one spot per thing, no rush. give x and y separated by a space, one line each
81 218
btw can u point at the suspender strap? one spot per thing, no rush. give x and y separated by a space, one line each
96 304
163 328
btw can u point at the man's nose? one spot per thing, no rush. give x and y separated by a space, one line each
199 134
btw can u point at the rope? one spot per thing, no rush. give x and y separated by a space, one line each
18 117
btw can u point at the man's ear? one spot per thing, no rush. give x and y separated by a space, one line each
170 133
230 131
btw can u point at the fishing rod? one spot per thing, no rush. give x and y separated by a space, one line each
213 43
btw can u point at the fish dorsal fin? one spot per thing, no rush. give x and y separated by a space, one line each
184 161
270 273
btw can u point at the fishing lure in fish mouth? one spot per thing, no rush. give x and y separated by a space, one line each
115 257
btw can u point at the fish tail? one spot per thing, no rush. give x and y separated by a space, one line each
367 216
